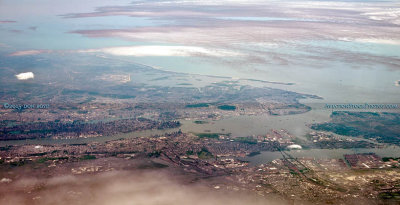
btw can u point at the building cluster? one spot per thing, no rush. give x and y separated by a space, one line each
367 161
318 180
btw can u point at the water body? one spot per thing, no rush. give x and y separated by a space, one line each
260 125
237 126
340 70
241 126
102 139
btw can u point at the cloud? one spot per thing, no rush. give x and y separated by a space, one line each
141 51
203 28
25 76
27 52
15 31
7 22
379 41
390 15
122 188
170 13
200 25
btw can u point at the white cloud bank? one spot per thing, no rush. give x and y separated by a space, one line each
391 15
141 51
25 76
379 41
122 188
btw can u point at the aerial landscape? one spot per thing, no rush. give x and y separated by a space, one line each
200 102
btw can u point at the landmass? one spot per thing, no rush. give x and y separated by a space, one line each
377 126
